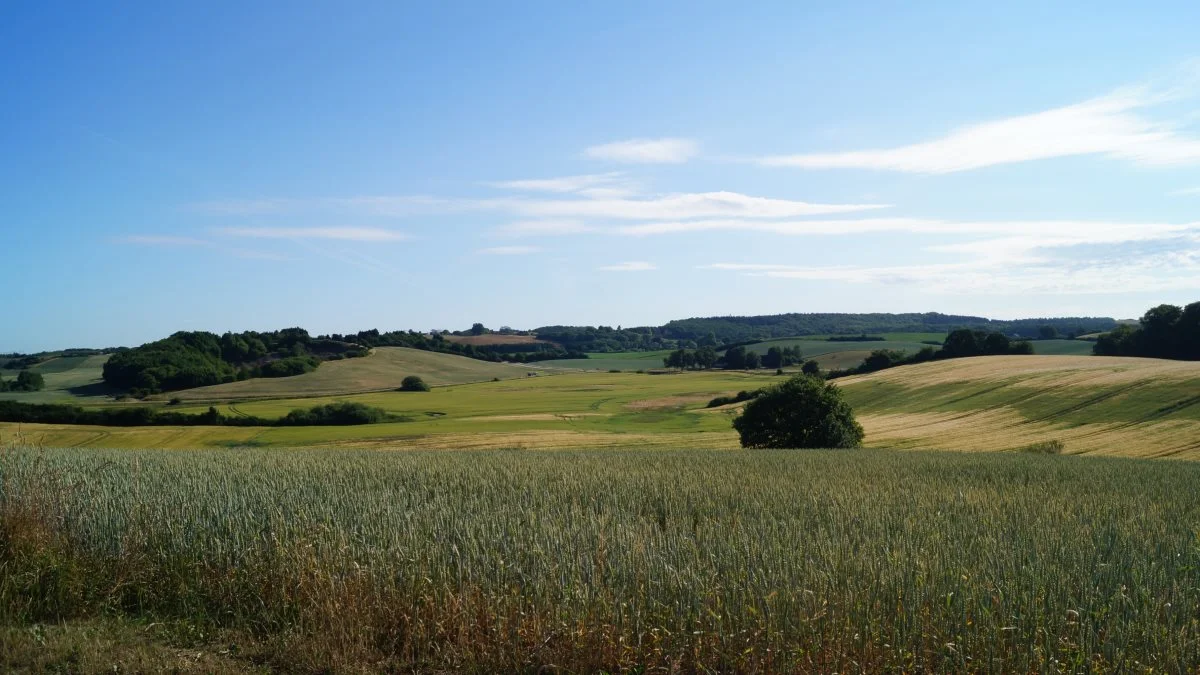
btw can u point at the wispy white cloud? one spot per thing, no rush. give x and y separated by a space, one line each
509 250
258 255
163 240
1107 264
380 205
589 203
1117 125
631 266
373 234
541 228
562 183
1186 192
646 151
1077 230
680 206
175 241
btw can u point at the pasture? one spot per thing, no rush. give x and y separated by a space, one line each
383 369
68 378
821 561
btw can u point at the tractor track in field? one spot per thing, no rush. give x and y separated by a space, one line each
92 439
1086 403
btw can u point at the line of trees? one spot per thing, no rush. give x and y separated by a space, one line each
960 343
1163 332
732 329
519 353
332 414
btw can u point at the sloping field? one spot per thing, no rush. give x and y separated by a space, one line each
383 369
495 339
66 377
612 361
1093 404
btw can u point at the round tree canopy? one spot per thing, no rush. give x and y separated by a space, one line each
803 412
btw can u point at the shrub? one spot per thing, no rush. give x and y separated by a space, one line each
1051 447
413 383
726 400
811 367
341 413
803 412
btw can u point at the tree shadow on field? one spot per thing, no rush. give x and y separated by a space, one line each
93 389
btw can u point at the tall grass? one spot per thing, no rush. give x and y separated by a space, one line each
581 561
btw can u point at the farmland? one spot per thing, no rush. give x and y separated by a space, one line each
67 378
384 368
831 355
1095 405
824 561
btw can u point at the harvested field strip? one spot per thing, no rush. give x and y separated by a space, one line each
1140 407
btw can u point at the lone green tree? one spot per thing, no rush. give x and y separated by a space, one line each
803 412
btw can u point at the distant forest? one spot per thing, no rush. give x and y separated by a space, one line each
730 330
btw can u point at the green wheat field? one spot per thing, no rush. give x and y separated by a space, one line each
525 561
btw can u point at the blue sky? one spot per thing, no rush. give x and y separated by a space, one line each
399 165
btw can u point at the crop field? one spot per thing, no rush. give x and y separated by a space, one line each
494 339
632 361
818 348
1094 404
687 560
67 378
383 369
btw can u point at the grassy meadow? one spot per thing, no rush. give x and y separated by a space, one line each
383 369
762 561
68 378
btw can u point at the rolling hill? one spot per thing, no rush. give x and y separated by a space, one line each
383 369
67 377
1093 404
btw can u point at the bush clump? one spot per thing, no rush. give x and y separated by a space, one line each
413 383
340 413
726 400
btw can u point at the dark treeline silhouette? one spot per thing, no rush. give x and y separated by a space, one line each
1164 332
332 414
960 343
520 353
736 357
730 329
855 338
